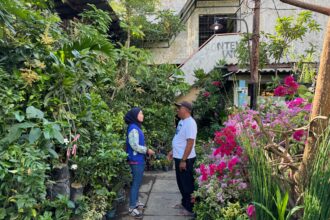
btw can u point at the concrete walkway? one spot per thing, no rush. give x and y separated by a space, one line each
159 192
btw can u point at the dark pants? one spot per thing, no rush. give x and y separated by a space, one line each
185 180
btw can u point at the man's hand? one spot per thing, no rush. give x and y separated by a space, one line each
183 166
170 155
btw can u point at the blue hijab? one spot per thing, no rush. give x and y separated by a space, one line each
131 117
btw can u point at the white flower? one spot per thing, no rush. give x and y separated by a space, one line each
66 141
74 166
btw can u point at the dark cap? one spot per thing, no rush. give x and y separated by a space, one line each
185 104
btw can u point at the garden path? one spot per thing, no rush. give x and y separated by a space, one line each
159 192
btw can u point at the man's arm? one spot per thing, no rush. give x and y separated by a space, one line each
189 146
187 151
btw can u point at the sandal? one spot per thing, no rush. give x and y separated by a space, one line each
140 205
185 212
178 206
135 213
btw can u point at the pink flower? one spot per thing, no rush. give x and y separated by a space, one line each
76 137
68 151
280 91
232 163
239 151
288 80
295 103
213 169
221 167
291 84
308 107
250 211
206 94
74 149
216 83
297 135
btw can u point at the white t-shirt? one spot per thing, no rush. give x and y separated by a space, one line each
186 129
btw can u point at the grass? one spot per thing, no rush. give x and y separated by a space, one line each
316 196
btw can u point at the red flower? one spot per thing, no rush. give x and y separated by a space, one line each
221 167
297 135
291 84
216 83
239 151
280 91
288 80
213 169
226 141
206 94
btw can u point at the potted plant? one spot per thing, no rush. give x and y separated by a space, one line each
166 164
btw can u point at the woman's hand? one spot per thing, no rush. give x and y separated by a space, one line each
170 155
150 152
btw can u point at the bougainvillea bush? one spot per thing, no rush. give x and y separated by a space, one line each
276 130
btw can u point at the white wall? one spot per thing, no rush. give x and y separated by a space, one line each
186 43
175 5
220 47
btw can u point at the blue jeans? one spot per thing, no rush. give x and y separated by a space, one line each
137 173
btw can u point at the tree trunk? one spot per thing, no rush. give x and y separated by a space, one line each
321 107
128 41
308 6
255 55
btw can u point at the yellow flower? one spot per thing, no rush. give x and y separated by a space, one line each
45 38
40 64
29 76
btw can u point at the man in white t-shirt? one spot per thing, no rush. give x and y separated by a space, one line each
183 152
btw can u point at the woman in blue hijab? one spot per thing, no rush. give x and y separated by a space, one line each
136 151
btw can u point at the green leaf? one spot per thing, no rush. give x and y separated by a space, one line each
265 209
71 205
32 112
292 211
23 125
57 134
284 205
53 153
34 135
2 213
47 132
18 116
14 134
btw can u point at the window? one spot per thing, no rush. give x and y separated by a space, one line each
205 22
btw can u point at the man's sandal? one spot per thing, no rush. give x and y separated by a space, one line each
178 206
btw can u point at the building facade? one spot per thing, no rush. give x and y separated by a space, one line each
200 47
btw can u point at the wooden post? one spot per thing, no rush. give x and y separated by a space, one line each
321 107
255 55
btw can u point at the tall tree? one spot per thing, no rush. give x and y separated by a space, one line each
321 102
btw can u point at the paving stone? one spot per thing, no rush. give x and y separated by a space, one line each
166 218
123 210
160 192
147 183
161 204
165 185
167 175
